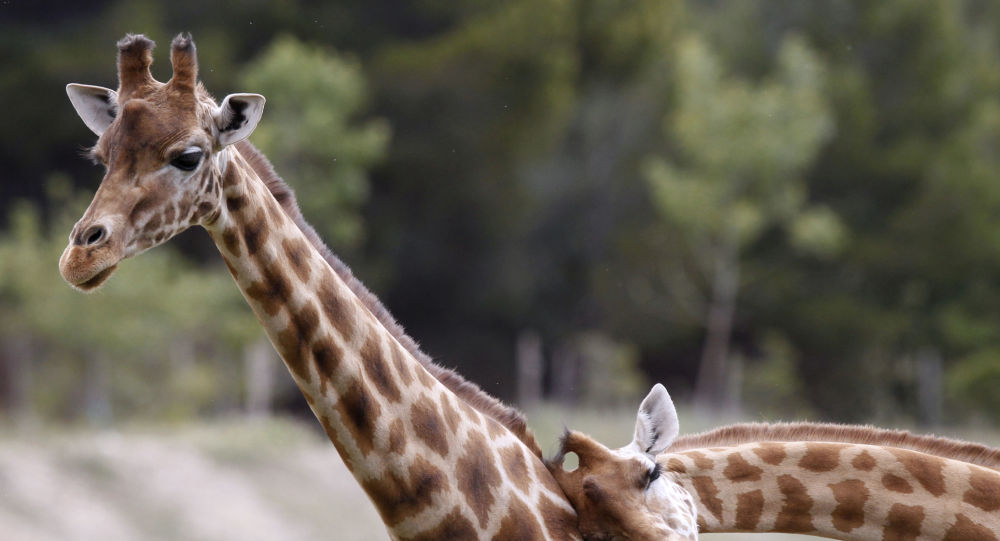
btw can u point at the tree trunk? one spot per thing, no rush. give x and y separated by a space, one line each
929 383
711 388
566 374
17 356
259 361
97 389
530 366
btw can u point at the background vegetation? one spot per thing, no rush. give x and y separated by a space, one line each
779 208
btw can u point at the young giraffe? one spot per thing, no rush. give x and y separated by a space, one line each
841 482
439 458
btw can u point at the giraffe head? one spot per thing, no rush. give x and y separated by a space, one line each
624 493
163 149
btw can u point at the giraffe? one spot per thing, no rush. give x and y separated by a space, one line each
855 483
438 457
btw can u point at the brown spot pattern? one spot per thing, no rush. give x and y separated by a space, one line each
397 437
236 204
820 457
927 470
495 429
332 434
427 425
271 291
896 483
851 496
255 233
169 214
864 461
326 356
452 526
770 453
377 370
148 202
231 241
675 465
966 530
154 223
359 413
337 310
984 491
749 508
450 414
739 470
557 518
478 477
400 360
701 461
903 523
297 253
708 494
399 495
794 516
516 467
518 524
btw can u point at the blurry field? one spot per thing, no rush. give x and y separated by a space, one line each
237 479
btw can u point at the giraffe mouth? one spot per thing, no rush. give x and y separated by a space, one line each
96 280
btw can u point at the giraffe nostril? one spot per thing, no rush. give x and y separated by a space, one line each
93 235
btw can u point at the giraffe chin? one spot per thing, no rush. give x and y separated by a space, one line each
96 280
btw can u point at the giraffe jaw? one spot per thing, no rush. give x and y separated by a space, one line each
86 269
96 280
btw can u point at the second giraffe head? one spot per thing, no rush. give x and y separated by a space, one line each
623 493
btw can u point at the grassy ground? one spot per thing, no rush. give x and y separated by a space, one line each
224 480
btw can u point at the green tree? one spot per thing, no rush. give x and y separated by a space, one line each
742 150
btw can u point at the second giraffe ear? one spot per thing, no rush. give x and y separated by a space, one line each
656 424
237 117
96 105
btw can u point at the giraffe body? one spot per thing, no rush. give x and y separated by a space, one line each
439 458
838 490
841 482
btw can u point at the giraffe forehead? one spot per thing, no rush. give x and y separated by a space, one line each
153 127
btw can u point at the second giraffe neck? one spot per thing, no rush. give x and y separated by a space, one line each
426 458
839 490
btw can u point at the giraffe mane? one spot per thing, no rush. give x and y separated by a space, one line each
469 392
737 434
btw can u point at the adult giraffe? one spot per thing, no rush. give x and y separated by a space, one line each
853 483
439 458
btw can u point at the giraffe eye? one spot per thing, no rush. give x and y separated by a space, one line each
188 160
653 474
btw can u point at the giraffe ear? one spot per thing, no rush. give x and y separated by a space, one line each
237 117
656 424
96 105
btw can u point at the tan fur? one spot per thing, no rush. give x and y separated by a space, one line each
973 453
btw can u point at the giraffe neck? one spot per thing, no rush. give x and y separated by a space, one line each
434 466
845 491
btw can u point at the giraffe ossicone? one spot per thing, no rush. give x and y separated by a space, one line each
855 483
438 457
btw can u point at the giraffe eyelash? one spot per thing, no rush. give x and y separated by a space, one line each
90 154
654 474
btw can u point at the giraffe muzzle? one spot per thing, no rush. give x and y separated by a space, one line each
91 256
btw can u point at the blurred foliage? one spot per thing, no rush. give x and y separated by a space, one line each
160 340
576 168
310 137
973 383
